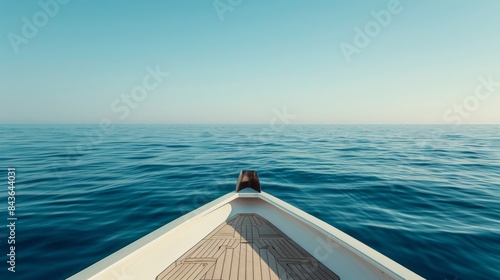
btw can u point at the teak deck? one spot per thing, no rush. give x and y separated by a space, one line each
246 247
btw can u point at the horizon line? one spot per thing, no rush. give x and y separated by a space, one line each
291 124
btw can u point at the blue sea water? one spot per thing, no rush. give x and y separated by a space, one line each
426 196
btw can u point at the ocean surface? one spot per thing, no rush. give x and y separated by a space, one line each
426 196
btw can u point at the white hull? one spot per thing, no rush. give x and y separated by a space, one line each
149 256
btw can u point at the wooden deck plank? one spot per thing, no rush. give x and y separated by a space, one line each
257 267
273 265
167 272
209 275
204 271
322 273
299 271
276 247
186 268
176 272
194 271
217 269
313 271
216 230
249 262
299 249
246 229
327 272
227 268
234 270
233 243
283 245
242 263
283 274
261 220
255 220
211 243
264 264
202 247
246 247
218 246
236 221
215 249
298 253
225 231
219 250
284 248
288 247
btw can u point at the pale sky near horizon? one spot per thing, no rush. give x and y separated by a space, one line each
230 61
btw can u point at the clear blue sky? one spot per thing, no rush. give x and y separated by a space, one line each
262 57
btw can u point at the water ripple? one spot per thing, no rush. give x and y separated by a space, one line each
426 196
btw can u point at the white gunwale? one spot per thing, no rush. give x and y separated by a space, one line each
130 260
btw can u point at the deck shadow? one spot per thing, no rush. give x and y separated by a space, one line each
246 246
